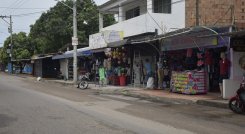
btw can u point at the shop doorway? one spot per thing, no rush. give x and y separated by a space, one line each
213 71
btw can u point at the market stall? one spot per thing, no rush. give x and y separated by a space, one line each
117 66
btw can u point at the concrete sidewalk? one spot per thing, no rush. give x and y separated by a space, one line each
210 99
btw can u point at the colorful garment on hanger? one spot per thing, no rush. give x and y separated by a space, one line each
102 73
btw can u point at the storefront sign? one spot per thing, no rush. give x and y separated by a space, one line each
102 39
185 42
191 82
238 44
194 39
74 41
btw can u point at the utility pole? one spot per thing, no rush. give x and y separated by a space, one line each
11 36
10 47
74 42
232 12
74 38
197 12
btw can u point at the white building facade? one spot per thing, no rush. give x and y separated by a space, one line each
137 17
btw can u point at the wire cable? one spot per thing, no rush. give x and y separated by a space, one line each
24 8
20 4
13 4
4 10
222 16
27 14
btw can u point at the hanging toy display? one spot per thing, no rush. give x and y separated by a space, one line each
165 60
190 61
166 78
124 59
200 62
117 53
114 54
108 52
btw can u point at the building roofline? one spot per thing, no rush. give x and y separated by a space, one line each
107 3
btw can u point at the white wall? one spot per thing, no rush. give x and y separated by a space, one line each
125 8
149 22
231 86
236 69
64 67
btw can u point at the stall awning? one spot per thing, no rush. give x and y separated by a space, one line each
191 39
69 54
117 43
60 56
37 57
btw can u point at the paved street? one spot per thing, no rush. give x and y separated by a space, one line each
31 107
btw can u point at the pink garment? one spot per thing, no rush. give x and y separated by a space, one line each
189 52
199 55
208 58
224 66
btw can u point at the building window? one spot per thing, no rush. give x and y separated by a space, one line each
133 13
162 6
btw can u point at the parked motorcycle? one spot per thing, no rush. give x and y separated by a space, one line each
237 103
83 81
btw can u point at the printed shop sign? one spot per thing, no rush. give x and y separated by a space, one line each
102 39
191 82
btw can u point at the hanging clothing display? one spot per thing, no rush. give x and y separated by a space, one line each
200 62
160 73
224 66
190 61
102 73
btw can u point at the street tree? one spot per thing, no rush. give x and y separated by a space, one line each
22 48
52 32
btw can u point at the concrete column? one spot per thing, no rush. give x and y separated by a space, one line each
67 69
101 21
149 6
120 14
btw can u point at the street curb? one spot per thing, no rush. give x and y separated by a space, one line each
57 82
128 92
213 103
210 103
147 97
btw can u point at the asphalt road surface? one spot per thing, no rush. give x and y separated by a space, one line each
31 107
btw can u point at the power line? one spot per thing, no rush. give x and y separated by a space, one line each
11 5
222 16
24 8
27 14
20 4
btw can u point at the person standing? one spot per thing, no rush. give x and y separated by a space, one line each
148 69
224 70
160 73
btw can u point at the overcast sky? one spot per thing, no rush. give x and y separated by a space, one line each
22 23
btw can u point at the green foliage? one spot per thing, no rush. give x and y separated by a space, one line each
22 48
3 56
54 29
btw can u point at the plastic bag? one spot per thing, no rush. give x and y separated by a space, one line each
150 83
